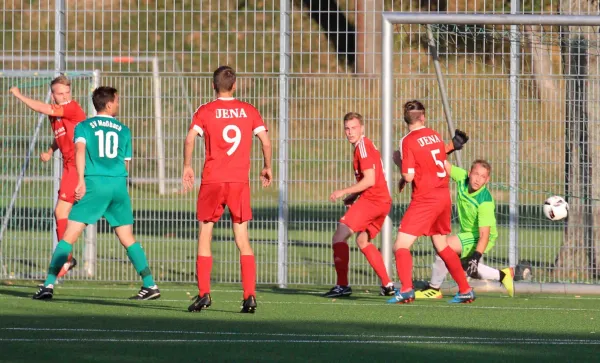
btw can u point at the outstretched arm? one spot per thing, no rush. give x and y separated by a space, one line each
37 106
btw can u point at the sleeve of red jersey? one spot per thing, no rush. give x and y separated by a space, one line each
198 122
367 157
408 158
258 124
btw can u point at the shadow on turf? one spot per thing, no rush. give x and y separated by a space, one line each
163 338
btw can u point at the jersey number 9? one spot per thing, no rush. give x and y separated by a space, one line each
235 140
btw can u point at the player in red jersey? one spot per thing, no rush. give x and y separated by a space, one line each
422 163
227 126
369 202
64 114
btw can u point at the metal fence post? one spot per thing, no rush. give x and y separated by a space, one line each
284 69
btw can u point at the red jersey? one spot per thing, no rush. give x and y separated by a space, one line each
227 126
423 154
366 156
64 128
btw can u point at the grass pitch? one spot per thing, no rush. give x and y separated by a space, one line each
95 322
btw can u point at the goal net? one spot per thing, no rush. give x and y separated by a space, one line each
526 90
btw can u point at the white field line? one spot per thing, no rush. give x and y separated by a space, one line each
293 335
337 303
495 341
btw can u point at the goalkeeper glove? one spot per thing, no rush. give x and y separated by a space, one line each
473 264
459 140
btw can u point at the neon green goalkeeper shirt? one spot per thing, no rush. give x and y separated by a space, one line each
474 209
108 145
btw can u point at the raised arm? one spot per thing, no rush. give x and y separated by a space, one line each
37 106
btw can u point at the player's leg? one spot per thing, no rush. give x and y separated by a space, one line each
341 261
238 202
247 266
66 198
137 257
59 257
209 208
363 240
438 273
119 215
404 266
373 256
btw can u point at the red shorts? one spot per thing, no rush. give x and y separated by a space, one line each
428 216
68 183
366 216
213 198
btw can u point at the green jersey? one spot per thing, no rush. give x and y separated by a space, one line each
474 209
108 145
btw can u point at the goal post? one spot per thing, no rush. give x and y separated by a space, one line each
389 19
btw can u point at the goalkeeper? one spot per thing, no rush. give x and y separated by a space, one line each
478 233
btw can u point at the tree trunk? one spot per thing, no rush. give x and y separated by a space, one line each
541 63
368 36
577 256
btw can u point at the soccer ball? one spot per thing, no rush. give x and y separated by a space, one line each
556 208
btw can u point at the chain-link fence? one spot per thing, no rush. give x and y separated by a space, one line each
303 64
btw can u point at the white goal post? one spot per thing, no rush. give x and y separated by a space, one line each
387 92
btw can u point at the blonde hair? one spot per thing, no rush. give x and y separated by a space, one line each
484 164
354 115
61 80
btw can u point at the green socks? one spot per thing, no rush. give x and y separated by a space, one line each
136 255
59 257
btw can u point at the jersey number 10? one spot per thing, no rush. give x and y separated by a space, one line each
107 146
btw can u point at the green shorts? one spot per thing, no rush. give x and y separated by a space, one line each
104 197
469 243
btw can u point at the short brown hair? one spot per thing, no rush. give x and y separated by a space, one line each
103 95
223 79
484 164
62 79
413 111
354 115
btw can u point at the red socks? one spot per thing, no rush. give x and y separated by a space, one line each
404 266
455 268
203 269
248 264
341 259
61 227
376 261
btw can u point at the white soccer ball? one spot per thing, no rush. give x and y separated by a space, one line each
556 208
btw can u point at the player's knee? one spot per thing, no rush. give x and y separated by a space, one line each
362 240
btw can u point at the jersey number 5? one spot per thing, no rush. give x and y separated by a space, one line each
235 140
107 147
439 163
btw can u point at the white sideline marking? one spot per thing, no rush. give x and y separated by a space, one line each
303 341
409 337
330 303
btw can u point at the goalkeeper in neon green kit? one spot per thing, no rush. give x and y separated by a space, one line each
102 154
478 233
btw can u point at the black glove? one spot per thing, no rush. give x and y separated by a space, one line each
460 139
473 264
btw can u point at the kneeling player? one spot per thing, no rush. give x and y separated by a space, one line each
365 216
102 150
478 233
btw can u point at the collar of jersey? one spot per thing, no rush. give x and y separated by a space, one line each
359 140
105 116
226 98
65 103
466 192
